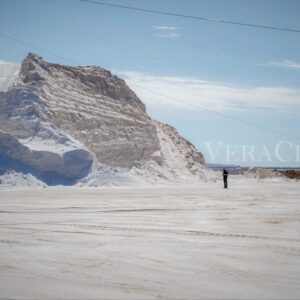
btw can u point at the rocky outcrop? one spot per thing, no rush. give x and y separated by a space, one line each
27 136
177 149
177 161
85 124
96 108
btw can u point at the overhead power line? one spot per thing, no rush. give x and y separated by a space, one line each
31 46
190 17
160 94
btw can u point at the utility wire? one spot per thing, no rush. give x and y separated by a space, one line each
160 94
218 113
30 46
190 17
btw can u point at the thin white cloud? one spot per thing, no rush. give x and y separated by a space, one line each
285 64
170 28
194 93
169 32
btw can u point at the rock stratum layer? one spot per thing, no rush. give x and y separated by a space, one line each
96 108
63 120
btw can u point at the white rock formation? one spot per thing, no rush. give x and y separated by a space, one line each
27 136
83 123
9 75
96 108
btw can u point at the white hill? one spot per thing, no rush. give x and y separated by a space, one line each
58 122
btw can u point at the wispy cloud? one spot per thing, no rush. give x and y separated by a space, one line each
170 28
170 32
285 64
195 93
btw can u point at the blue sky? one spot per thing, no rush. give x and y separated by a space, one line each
245 73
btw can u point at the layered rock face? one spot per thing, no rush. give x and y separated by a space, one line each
27 136
177 161
94 107
177 150
72 121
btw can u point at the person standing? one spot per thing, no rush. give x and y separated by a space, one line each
225 177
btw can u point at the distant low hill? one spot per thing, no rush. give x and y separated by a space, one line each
292 174
221 166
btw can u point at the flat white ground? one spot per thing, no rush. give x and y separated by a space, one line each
157 242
